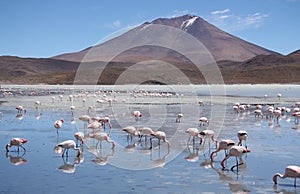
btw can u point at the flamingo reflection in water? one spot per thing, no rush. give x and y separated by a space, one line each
68 167
160 161
193 154
235 186
16 160
100 159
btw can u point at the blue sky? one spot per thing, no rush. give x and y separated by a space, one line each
48 28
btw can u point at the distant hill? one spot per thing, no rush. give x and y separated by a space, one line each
33 70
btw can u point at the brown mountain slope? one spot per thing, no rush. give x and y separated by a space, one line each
31 70
260 69
220 44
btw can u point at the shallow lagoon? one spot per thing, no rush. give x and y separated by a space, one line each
132 168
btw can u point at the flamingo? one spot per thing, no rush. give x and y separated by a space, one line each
72 109
203 120
178 118
145 131
235 108
224 144
242 135
130 130
193 132
58 124
137 114
105 120
94 125
236 151
79 136
258 113
101 136
277 114
66 145
290 172
17 141
37 104
21 109
160 135
85 118
208 134
61 97
279 96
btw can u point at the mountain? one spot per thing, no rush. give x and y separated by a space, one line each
239 61
220 44
274 68
33 70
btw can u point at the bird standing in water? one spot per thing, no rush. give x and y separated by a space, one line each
242 136
66 145
225 145
236 151
58 124
290 172
17 141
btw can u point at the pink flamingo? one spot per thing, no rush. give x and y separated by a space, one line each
66 145
178 118
203 120
291 172
130 130
94 125
193 132
17 141
79 136
145 131
224 144
236 151
258 113
207 134
105 120
242 136
160 135
85 118
37 104
21 109
58 124
137 114
101 136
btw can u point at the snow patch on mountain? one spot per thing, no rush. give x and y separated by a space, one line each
188 22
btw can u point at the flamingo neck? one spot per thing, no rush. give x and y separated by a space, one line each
277 175
7 146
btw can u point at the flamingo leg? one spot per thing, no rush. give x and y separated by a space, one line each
151 143
189 140
295 181
63 153
23 148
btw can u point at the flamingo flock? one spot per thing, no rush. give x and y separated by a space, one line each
99 124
